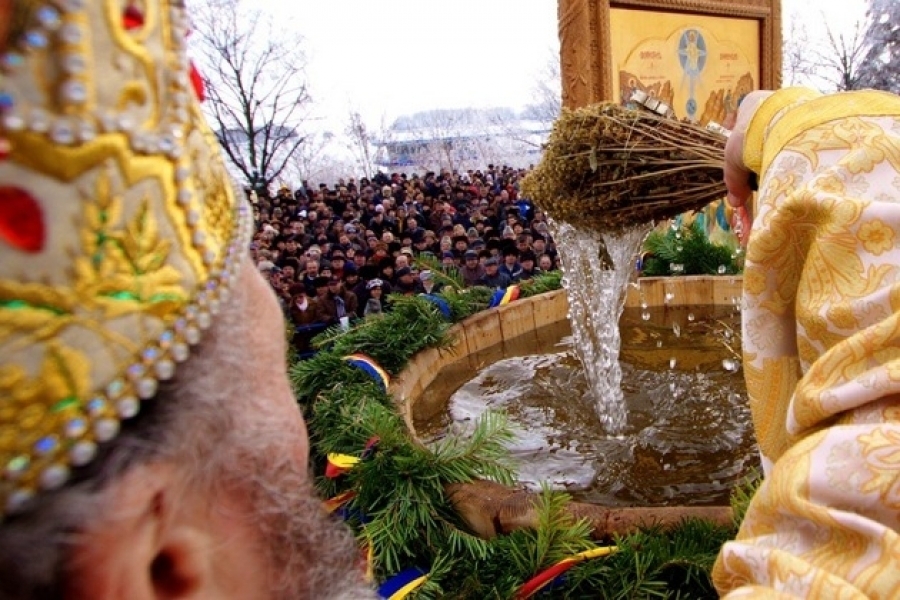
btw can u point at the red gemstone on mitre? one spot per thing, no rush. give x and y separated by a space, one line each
197 83
21 220
132 18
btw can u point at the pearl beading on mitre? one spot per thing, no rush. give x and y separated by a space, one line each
61 23
98 418
121 399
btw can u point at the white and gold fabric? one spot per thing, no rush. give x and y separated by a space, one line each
822 350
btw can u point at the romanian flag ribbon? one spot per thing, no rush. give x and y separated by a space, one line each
551 574
400 585
369 366
338 464
440 303
510 294
504 296
333 504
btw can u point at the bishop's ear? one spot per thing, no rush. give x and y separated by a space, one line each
142 550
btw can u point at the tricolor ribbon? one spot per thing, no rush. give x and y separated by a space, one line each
440 303
338 504
552 574
511 294
370 367
338 464
335 503
400 585
504 296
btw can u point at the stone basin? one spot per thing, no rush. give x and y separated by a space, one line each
485 338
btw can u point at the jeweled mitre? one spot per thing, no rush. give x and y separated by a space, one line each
119 228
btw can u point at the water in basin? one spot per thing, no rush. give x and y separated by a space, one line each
687 437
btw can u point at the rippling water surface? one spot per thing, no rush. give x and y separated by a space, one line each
687 438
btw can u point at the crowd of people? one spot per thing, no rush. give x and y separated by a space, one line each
336 252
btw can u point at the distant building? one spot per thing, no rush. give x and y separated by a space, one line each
462 139
238 142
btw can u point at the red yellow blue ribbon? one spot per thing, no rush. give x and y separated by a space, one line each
547 576
400 585
511 294
369 366
337 464
333 504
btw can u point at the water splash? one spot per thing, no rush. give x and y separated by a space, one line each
596 268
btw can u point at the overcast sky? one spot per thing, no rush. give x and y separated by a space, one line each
386 58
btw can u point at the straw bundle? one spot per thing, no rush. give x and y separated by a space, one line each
607 167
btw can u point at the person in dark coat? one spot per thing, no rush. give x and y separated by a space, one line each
337 302
493 278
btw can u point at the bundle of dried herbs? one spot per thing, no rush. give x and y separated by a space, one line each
607 166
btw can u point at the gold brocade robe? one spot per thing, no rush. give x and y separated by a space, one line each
821 342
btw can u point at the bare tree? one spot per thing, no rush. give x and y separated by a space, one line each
881 68
256 88
316 161
548 91
837 63
539 116
360 143
846 59
796 67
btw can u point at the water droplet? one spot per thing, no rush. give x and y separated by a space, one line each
645 315
721 269
730 365
659 343
691 317
676 329
672 362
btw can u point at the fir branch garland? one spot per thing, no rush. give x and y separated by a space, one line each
446 277
540 284
689 247
412 324
401 507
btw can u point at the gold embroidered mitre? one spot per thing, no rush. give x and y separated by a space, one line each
119 230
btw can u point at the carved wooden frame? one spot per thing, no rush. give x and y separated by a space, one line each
586 51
